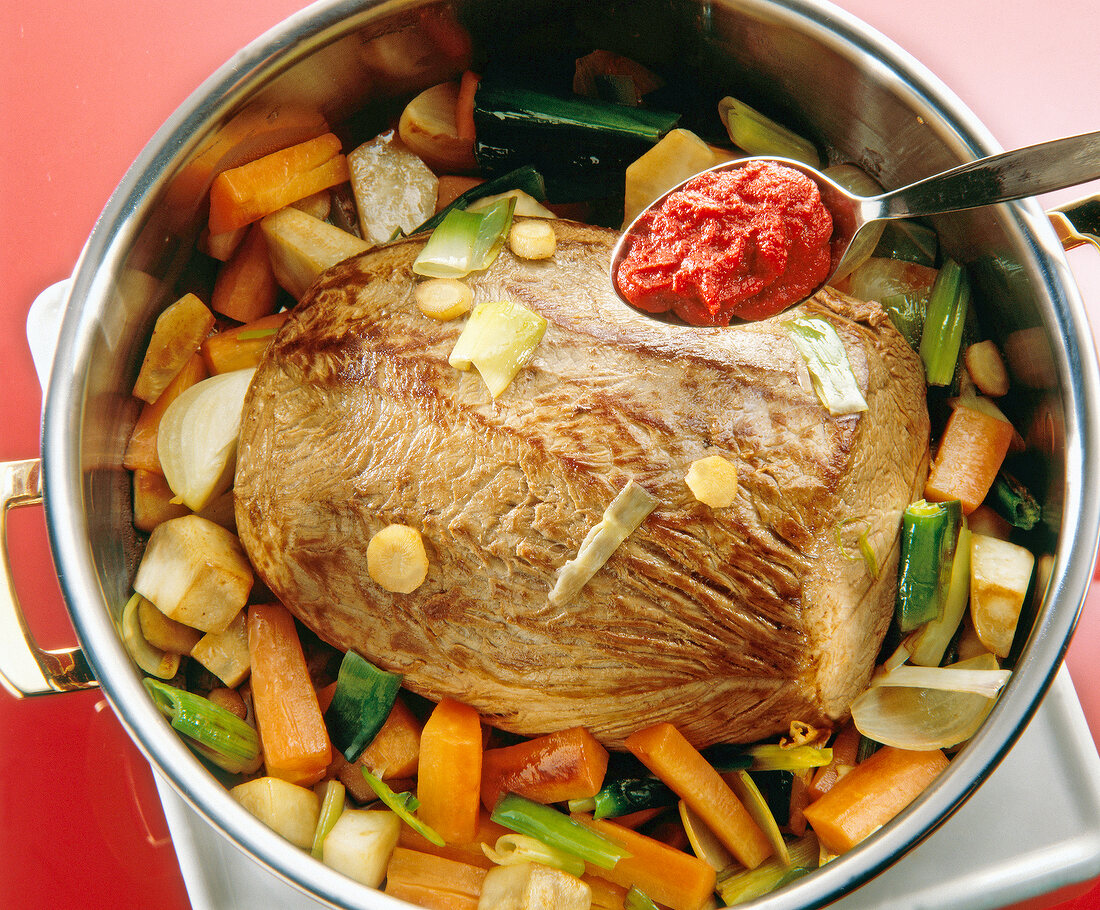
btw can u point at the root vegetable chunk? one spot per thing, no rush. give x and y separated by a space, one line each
195 572
285 807
396 559
360 844
1000 573
530 886
178 332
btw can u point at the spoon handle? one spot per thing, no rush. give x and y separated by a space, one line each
1028 171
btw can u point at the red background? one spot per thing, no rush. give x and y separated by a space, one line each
82 87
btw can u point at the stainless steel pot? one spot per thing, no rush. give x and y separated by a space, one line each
813 65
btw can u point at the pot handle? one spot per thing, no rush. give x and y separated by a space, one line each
1077 222
25 669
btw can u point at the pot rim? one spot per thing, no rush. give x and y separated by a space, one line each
63 473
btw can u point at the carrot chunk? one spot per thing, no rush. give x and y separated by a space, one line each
245 289
845 747
971 452
449 771
240 347
395 750
153 500
295 742
488 832
141 450
665 751
667 875
433 881
871 794
548 769
245 194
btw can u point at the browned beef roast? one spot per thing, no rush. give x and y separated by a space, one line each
730 623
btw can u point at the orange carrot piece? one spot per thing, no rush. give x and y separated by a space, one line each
395 750
433 881
141 450
245 289
242 346
153 500
845 746
665 751
871 794
295 742
569 764
245 194
488 831
449 771
464 106
972 449
324 696
605 895
451 187
800 799
667 875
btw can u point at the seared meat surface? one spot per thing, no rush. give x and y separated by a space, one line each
729 623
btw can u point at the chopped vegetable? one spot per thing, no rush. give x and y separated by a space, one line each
295 742
302 247
241 348
533 239
443 298
394 190
628 795
740 885
361 843
1000 574
332 807
830 372
451 186
396 559
362 702
903 289
213 731
554 768
498 339
758 134
154 661
513 849
178 332
464 106
665 751
465 242
942 335
433 881
247 193
704 842
680 154
225 654
488 832
402 804
768 757
197 440
196 573
395 751
931 641
971 452
1011 499
669 876
245 288
533 886
748 793
164 633
987 368
524 178
449 775
844 748
287 808
562 832
638 900
713 481
141 450
871 794
428 126
929 533
526 204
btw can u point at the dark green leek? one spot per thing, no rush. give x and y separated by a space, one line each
1014 502
524 178
929 534
363 700
631 794
941 338
558 830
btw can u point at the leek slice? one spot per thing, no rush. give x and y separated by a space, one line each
498 339
636 899
332 807
923 708
466 241
550 826
933 637
621 519
941 338
739 886
403 805
162 664
753 800
512 849
362 701
758 134
831 373
770 757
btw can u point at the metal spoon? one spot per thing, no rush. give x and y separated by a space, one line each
1028 171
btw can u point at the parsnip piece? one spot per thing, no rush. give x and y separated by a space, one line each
679 155
360 844
178 332
530 886
153 500
987 368
443 298
290 810
302 247
396 559
393 188
427 126
225 654
164 633
526 204
1000 573
196 572
713 481
535 239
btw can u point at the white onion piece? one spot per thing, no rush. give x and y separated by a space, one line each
197 440
921 717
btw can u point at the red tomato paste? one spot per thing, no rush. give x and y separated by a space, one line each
743 243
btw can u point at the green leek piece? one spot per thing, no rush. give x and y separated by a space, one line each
1014 502
942 336
776 787
631 794
332 807
909 241
403 805
557 830
758 134
620 519
931 642
757 806
724 757
466 242
929 535
524 178
512 849
215 732
737 887
636 899
498 339
771 757
830 372
363 700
